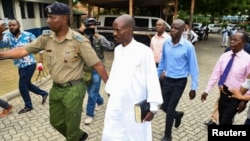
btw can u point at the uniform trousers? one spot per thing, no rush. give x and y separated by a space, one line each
65 108
172 90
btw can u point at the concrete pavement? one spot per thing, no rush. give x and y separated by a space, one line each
35 126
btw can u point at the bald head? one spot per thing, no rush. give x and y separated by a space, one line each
161 21
123 29
160 27
177 27
127 20
179 22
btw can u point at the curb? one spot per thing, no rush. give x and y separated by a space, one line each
11 95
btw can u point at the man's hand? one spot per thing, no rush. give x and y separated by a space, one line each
97 36
192 94
2 28
204 96
162 75
82 28
242 106
149 116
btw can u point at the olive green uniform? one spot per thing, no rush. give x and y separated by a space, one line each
65 60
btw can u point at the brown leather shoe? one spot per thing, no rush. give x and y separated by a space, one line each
6 112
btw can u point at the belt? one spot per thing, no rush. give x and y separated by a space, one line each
69 83
176 78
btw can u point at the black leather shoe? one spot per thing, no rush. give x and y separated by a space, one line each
210 122
84 136
165 138
44 98
178 119
24 110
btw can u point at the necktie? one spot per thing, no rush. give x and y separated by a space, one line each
223 77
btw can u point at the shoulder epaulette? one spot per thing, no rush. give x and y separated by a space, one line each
46 32
78 37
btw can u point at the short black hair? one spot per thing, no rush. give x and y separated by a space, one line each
15 20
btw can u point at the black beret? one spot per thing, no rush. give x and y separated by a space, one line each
58 8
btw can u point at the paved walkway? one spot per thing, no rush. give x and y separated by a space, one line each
35 126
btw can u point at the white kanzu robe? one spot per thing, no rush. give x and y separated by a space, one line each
133 78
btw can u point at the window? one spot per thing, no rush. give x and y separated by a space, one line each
109 21
153 22
30 9
141 22
8 9
41 10
42 7
22 9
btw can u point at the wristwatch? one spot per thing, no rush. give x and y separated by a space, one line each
154 112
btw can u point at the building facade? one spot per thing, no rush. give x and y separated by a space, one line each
30 13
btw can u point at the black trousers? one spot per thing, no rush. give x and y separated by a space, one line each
227 109
172 90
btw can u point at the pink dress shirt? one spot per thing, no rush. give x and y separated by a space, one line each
238 72
156 45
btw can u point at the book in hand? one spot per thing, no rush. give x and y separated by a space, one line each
141 109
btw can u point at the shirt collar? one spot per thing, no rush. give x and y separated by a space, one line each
164 35
181 42
69 35
239 53
129 44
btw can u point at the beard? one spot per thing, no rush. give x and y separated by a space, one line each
15 32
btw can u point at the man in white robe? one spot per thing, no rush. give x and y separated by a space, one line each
133 78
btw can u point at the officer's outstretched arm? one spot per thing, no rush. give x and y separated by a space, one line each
13 53
99 67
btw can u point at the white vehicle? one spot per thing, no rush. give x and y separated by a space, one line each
196 26
215 28
140 21
144 30
230 26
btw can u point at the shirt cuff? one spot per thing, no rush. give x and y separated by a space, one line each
153 106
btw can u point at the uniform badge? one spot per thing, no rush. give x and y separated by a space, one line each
49 10
79 38
46 32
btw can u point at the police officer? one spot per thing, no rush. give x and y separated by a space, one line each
65 51
98 43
